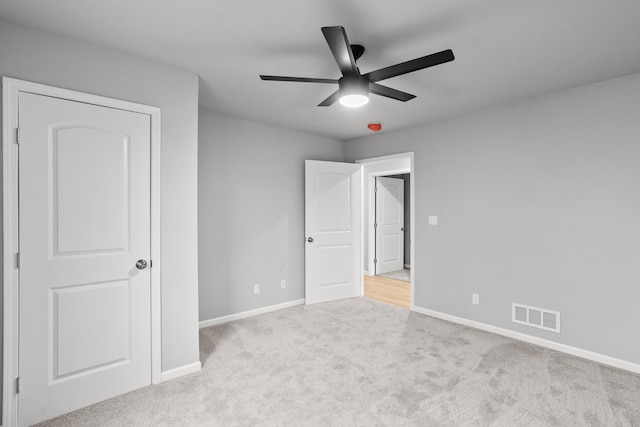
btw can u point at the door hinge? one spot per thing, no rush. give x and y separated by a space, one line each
375 225
17 385
375 189
375 261
18 136
17 259
150 263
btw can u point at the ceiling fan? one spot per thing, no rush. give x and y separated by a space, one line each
353 87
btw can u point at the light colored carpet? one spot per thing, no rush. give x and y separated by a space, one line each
404 275
359 362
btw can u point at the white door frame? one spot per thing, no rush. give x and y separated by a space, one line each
391 165
382 184
10 90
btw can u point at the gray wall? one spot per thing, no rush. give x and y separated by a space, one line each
251 212
538 203
71 64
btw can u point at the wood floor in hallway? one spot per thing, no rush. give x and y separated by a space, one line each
391 291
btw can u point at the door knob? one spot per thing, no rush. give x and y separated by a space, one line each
141 264
310 239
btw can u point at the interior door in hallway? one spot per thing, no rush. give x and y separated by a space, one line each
84 191
389 224
333 235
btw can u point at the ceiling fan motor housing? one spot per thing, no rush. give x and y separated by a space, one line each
354 85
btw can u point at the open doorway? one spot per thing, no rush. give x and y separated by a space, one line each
391 225
388 196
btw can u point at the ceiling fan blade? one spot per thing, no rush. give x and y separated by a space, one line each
330 100
410 66
339 45
389 92
297 79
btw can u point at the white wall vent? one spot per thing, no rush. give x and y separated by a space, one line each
537 317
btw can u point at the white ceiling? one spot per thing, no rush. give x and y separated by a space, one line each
505 50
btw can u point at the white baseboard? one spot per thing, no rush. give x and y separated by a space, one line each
366 273
180 371
407 266
585 354
250 313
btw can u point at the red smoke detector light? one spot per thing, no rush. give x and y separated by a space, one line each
376 127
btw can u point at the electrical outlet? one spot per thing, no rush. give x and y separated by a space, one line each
433 220
475 298
256 289
283 284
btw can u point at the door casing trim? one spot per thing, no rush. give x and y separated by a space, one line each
11 88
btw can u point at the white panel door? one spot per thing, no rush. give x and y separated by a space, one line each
333 261
84 194
389 224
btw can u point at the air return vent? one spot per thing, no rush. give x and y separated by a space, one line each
536 317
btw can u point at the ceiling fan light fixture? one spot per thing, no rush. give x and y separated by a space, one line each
354 88
354 91
354 100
